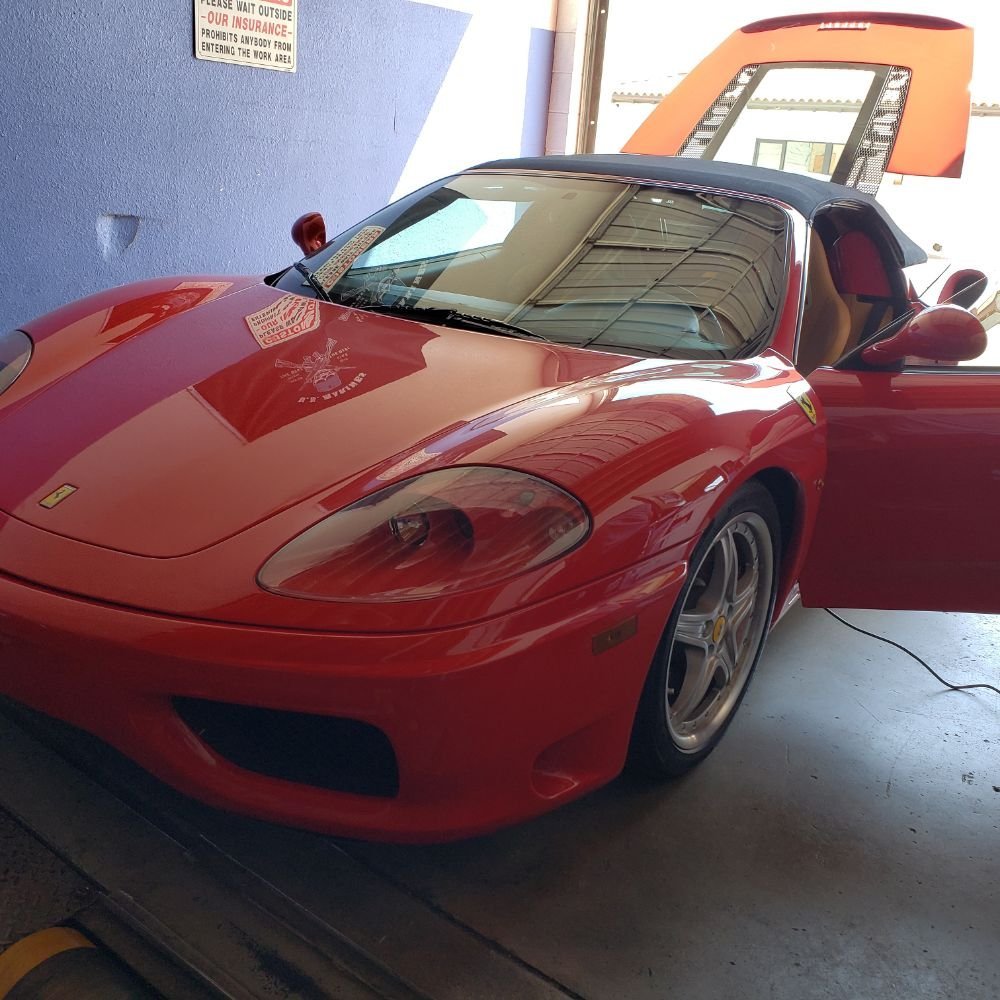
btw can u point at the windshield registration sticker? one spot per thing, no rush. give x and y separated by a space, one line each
332 270
289 317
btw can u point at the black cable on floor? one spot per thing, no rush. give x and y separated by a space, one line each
931 670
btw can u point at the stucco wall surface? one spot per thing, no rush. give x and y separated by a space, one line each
122 156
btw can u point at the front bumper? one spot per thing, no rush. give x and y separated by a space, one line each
490 723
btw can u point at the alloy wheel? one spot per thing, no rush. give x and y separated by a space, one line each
719 630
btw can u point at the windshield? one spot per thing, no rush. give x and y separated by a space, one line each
625 267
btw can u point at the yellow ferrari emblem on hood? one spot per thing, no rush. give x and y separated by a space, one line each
56 497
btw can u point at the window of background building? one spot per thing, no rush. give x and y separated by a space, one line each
797 156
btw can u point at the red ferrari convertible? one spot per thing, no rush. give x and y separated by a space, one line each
433 530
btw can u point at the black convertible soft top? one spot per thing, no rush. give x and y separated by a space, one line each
806 195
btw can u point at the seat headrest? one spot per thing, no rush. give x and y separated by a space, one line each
857 268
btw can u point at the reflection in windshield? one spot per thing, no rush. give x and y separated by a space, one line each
629 268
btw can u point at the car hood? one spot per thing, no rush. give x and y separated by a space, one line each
209 421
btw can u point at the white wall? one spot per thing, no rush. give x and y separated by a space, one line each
480 110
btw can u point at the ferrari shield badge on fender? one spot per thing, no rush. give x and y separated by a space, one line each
805 402
56 497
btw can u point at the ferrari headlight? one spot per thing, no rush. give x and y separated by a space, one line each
438 533
15 352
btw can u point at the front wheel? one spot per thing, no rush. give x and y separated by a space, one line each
713 639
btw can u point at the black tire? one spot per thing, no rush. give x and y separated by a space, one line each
673 729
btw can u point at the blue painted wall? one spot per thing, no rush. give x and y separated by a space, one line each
108 118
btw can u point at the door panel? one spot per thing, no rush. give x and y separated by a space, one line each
926 64
910 513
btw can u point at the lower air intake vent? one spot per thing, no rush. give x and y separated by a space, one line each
341 755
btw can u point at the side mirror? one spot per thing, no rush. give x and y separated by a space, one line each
941 333
963 288
309 232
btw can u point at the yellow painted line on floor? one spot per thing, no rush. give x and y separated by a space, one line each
28 953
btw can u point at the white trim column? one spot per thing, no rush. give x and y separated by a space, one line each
567 76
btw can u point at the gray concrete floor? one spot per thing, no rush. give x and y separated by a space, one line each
37 889
841 843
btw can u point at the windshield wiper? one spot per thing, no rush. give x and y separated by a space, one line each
454 317
312 281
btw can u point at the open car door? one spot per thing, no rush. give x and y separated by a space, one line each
840 96
910 511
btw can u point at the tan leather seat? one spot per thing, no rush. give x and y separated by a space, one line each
826 320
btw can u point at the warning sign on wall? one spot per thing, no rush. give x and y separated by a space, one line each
257 33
